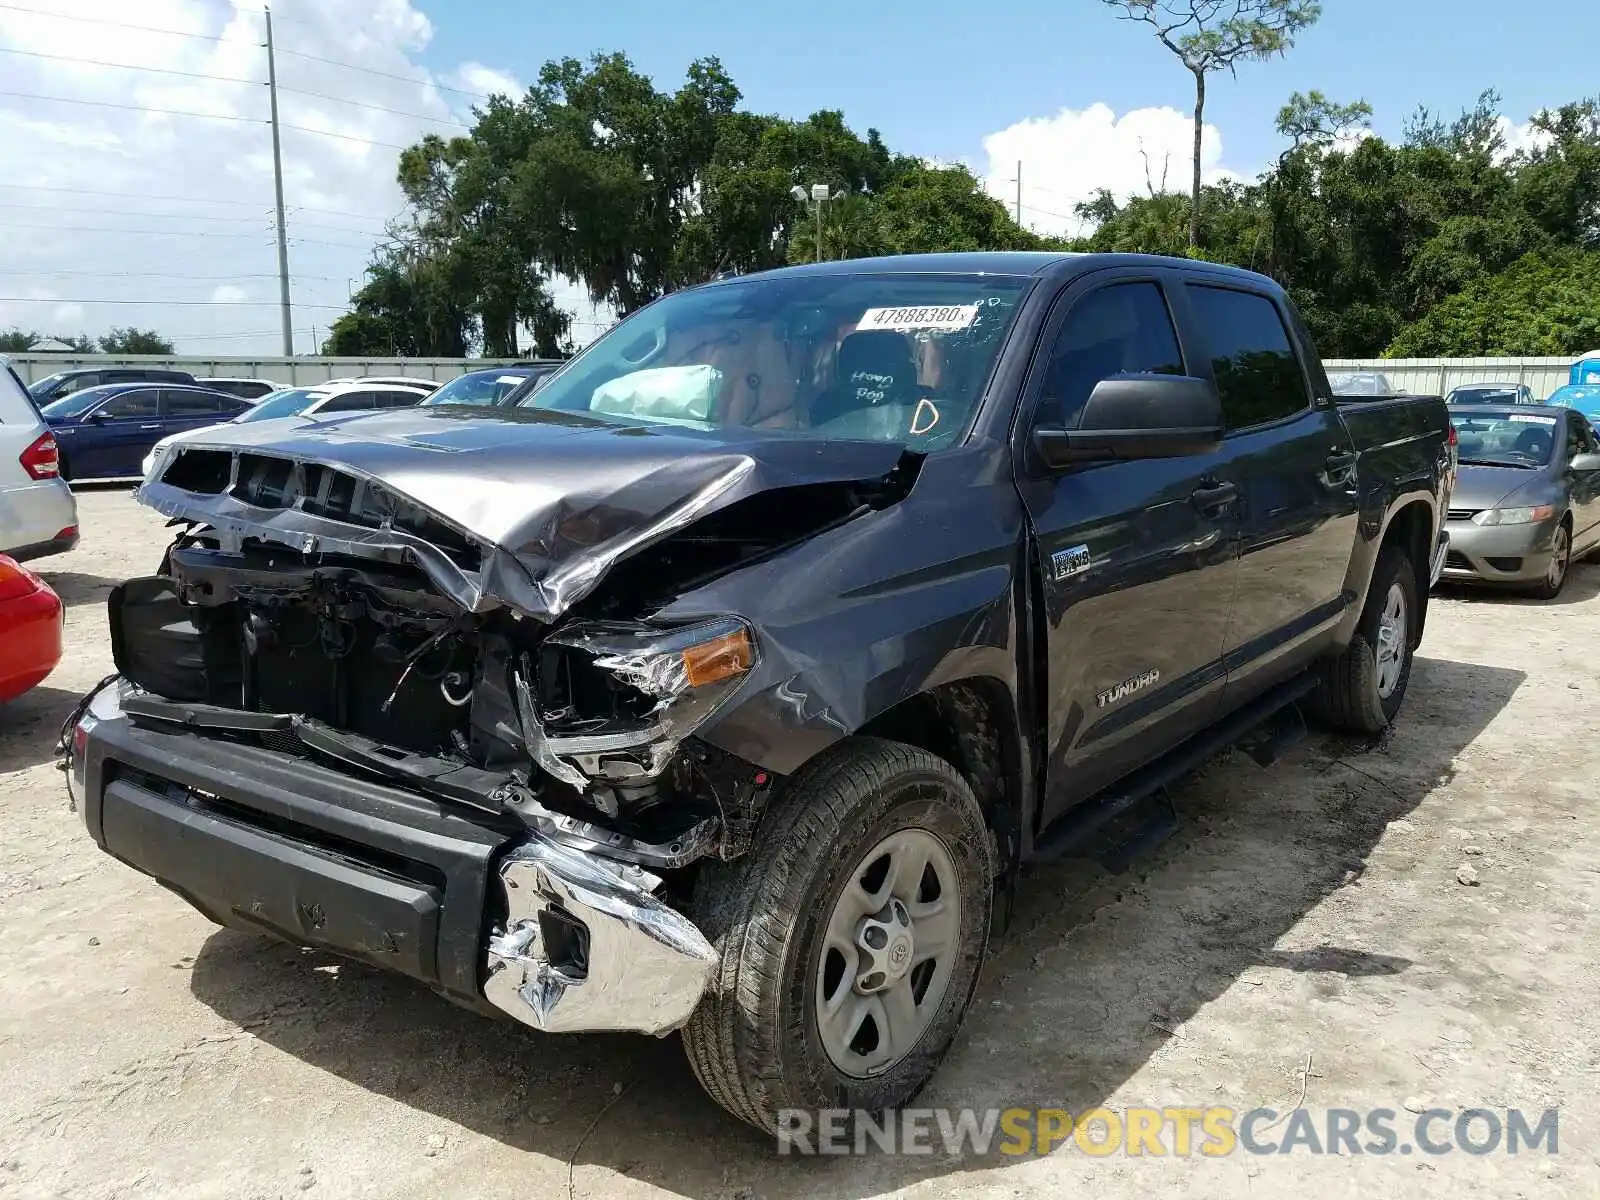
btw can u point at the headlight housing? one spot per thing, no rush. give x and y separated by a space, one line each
1514 516
611 702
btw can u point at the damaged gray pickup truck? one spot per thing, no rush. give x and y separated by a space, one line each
724 684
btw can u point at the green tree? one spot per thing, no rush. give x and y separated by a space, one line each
1215 35
135 341
1544 304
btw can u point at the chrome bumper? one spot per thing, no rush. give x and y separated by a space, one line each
1441 551
585 947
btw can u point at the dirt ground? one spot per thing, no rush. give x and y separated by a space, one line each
1310 909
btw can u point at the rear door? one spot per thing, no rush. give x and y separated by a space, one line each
111 443
1137 558
1295 466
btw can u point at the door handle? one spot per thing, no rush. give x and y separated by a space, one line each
1341 460
149 427
1213 496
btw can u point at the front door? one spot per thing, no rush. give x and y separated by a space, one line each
1584 486
1138 559
106 442
1295 465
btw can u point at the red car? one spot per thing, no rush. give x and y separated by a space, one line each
30 629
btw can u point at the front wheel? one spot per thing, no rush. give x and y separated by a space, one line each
1362 689
851 937
1555 575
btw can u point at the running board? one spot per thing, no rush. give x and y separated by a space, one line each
1075 827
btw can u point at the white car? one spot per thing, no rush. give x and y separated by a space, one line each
324 400
38 513
246 389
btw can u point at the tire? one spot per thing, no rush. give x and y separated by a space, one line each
755 1043
1560 564
1361 690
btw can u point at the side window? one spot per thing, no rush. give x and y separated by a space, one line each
1257 371
398 399
1123 329
354 402
232 406
179 403
78 382
1578 436
127 405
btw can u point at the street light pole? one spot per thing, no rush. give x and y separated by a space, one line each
819 197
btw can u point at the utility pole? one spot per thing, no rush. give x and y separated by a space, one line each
277 182
1019 190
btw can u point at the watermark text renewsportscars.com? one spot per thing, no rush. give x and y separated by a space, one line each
1210 1132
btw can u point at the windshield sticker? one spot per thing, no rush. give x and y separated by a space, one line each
513 380
947 318
1525 419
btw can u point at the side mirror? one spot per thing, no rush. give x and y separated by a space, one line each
97 416
1138 416
1585 462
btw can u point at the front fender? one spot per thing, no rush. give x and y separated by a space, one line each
861 617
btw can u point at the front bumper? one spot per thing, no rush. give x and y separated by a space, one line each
1509 554
478 908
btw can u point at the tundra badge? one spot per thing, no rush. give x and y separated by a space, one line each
1075 560
1127 688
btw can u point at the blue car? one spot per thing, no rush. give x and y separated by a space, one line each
1584 397
105 432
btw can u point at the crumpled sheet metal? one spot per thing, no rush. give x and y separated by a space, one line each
648 966
554 499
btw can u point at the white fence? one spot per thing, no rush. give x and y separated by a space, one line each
287 371
1436 376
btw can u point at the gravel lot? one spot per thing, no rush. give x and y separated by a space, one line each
1313 908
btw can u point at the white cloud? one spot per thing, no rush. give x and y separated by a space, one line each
487 81
170 214
1519 137
1067 158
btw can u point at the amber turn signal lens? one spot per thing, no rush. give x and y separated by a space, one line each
720 658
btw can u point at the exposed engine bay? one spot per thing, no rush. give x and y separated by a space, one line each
356 649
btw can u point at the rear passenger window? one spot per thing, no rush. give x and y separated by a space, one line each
1124 329
354 402
1257 371
189 404
128 405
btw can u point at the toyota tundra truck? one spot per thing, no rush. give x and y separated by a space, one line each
723 684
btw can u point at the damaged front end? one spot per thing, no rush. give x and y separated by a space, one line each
314 613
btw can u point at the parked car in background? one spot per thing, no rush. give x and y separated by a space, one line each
38 512
105 432
304 403
64 383
1491 393
1527 496
1586 369
1581 397
1362 383
30 629
494 386
427 385
245 389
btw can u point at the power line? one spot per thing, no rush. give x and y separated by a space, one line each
122 212
374 107
384 74
329 212
173 112
204 37
94 62
29 272
166 112
164 303
143 232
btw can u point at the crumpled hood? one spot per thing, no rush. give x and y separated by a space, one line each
1493 487
553 499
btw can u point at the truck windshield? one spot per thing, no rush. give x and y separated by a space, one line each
885 357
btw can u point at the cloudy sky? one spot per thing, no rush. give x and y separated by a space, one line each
115 214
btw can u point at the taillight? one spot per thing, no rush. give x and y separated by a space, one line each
42 460
16 581
1452 440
